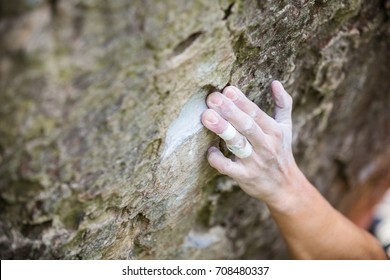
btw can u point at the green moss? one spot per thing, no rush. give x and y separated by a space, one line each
40 126
71 213
65 75
21 191
351 9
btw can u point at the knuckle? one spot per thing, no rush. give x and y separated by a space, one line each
248 176
278 133
254 114
225 168
228 111
249 127
268 149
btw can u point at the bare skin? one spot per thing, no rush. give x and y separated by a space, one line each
311 227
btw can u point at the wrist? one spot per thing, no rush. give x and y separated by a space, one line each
296 195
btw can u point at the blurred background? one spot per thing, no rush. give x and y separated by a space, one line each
102 155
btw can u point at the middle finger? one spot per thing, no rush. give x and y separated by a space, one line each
240 120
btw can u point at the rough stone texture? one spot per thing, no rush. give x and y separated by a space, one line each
101 152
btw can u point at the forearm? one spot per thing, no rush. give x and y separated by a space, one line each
313 229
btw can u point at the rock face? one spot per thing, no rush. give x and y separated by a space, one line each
102 155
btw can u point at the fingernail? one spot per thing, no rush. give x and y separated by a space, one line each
231 94
215 100
211 150
211 118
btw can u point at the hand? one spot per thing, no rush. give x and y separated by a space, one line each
264 167
264 163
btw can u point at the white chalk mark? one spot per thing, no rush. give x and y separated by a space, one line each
202 240
187 124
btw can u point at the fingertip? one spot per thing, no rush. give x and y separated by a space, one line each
230 87
280 95
231 92
213 121
277 88
218 161
283 102
213 153
209 117
214 99
211 150
276 83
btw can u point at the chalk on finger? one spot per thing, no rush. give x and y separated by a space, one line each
229 133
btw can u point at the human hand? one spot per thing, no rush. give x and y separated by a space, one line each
264 167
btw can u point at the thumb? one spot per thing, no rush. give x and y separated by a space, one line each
283 103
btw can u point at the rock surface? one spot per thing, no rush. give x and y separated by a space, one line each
102 155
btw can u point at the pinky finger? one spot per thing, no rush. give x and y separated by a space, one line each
223 164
